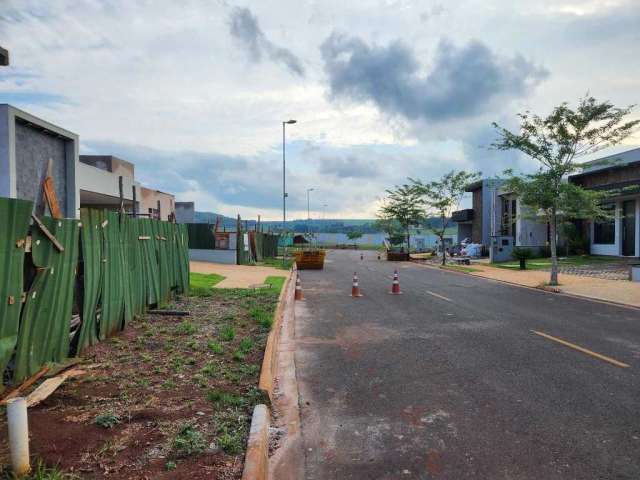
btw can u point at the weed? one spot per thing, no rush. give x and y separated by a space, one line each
193 345
238 356
248 370
215 347
227 333
246 345
261 316
39 472
142 382
223 398
169 466
168 384
188 441
230 443
145 357
107 420
210 369
186 328
190 361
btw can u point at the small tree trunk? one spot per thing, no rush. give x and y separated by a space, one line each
554 254
408 242
444 251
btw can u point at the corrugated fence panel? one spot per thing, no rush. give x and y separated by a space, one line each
44 325
163 262
91 242
14 222
182 258
113 289
128 267
137 277
149 262
201 236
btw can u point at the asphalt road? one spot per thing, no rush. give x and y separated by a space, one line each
448 381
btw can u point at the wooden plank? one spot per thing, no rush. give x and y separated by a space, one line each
24 385
51 385
47 233
51 198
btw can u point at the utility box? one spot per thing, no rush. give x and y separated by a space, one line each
501 248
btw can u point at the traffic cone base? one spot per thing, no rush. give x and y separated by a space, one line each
298 295
355 286
395 286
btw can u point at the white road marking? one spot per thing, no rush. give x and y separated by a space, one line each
439 296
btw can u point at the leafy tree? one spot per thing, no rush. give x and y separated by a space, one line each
403 206
556 141
354 235
442 197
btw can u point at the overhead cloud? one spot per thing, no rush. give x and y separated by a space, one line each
348 167
464 81
245 29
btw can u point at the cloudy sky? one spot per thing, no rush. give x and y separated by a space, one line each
194 92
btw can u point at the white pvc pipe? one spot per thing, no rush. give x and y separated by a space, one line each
18 435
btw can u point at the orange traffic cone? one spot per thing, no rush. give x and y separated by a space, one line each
298 295
395 286
355 288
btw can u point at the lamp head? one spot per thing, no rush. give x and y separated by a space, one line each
290 122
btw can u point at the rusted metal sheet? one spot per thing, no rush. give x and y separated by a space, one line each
14 222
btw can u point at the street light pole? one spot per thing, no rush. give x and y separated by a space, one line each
284 188
308 211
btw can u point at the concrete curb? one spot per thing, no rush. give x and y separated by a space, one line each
269 362
256 460
539 289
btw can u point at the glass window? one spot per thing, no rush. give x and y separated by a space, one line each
604 231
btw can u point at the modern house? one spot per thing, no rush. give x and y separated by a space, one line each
32 149
619 176
498 221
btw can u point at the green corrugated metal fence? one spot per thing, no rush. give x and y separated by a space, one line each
14 218
113 265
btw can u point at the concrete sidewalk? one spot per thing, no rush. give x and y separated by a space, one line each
237 276
616 291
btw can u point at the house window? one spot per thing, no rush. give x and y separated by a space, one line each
604 231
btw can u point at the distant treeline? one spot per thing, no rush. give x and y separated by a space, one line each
314 225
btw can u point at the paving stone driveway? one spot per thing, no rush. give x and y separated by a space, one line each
616 270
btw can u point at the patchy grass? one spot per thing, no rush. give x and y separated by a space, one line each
164 399
460 268
277 263
200 284
541 263
39 472
276 282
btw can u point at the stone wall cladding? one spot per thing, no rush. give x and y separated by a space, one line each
34 148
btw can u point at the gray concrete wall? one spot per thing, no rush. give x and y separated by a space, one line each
6 142
33 151
26 145
185 212
214 256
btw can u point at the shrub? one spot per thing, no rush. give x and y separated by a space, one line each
522 254
107 420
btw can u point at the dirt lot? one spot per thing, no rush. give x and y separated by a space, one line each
169 397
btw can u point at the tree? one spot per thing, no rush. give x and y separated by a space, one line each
354 235
442 197
556 141
405 206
